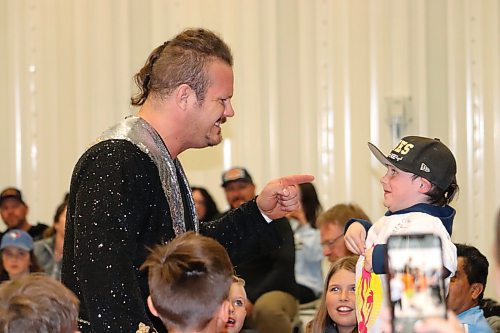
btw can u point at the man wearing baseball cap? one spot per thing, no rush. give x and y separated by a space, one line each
14 213
269 278
238 186
419 184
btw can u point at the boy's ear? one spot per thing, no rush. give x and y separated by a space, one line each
152 307
425 185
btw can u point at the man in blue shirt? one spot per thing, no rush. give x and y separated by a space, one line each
467 289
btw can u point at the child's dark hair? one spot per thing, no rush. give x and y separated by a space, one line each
440 197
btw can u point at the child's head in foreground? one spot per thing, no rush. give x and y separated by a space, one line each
37 303
189 280
419 170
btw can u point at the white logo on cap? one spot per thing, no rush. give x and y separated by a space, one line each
424 167
393 156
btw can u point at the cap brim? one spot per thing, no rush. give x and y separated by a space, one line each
378 154
6 197
18 246
227 182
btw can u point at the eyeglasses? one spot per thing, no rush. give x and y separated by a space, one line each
331 242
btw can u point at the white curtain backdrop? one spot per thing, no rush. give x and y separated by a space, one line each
314 81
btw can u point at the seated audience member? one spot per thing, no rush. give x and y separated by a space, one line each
205 206
269 278
14 213
331 225
308 253
491 310
237 310
337 311
36 303
467 289
189 280
49 250
17 257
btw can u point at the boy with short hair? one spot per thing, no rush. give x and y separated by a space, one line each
37 303
419 184
237 310
189 280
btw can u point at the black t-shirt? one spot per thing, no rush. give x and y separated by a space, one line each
36 231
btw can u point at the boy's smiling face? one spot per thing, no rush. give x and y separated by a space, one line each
402 189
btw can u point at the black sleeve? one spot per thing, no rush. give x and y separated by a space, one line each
243 232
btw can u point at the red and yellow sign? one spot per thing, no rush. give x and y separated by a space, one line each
369 295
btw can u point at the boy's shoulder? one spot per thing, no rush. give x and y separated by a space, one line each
427 212
407 218
411 222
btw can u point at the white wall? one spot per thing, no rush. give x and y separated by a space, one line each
314 81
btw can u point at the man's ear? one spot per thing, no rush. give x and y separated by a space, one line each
476 290
182 95
152 307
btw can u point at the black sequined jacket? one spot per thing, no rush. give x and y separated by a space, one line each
117 210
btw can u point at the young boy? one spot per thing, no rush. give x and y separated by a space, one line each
419 184
189 280
37 303
237 310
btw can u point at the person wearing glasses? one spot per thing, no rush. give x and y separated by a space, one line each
331 225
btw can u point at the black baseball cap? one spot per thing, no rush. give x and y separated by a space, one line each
425 157
235 174
11 193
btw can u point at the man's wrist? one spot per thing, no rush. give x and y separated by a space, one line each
264 215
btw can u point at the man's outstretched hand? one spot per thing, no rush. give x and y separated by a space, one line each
280 196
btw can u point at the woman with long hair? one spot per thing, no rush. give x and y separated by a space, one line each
308 251
337 310
205 206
